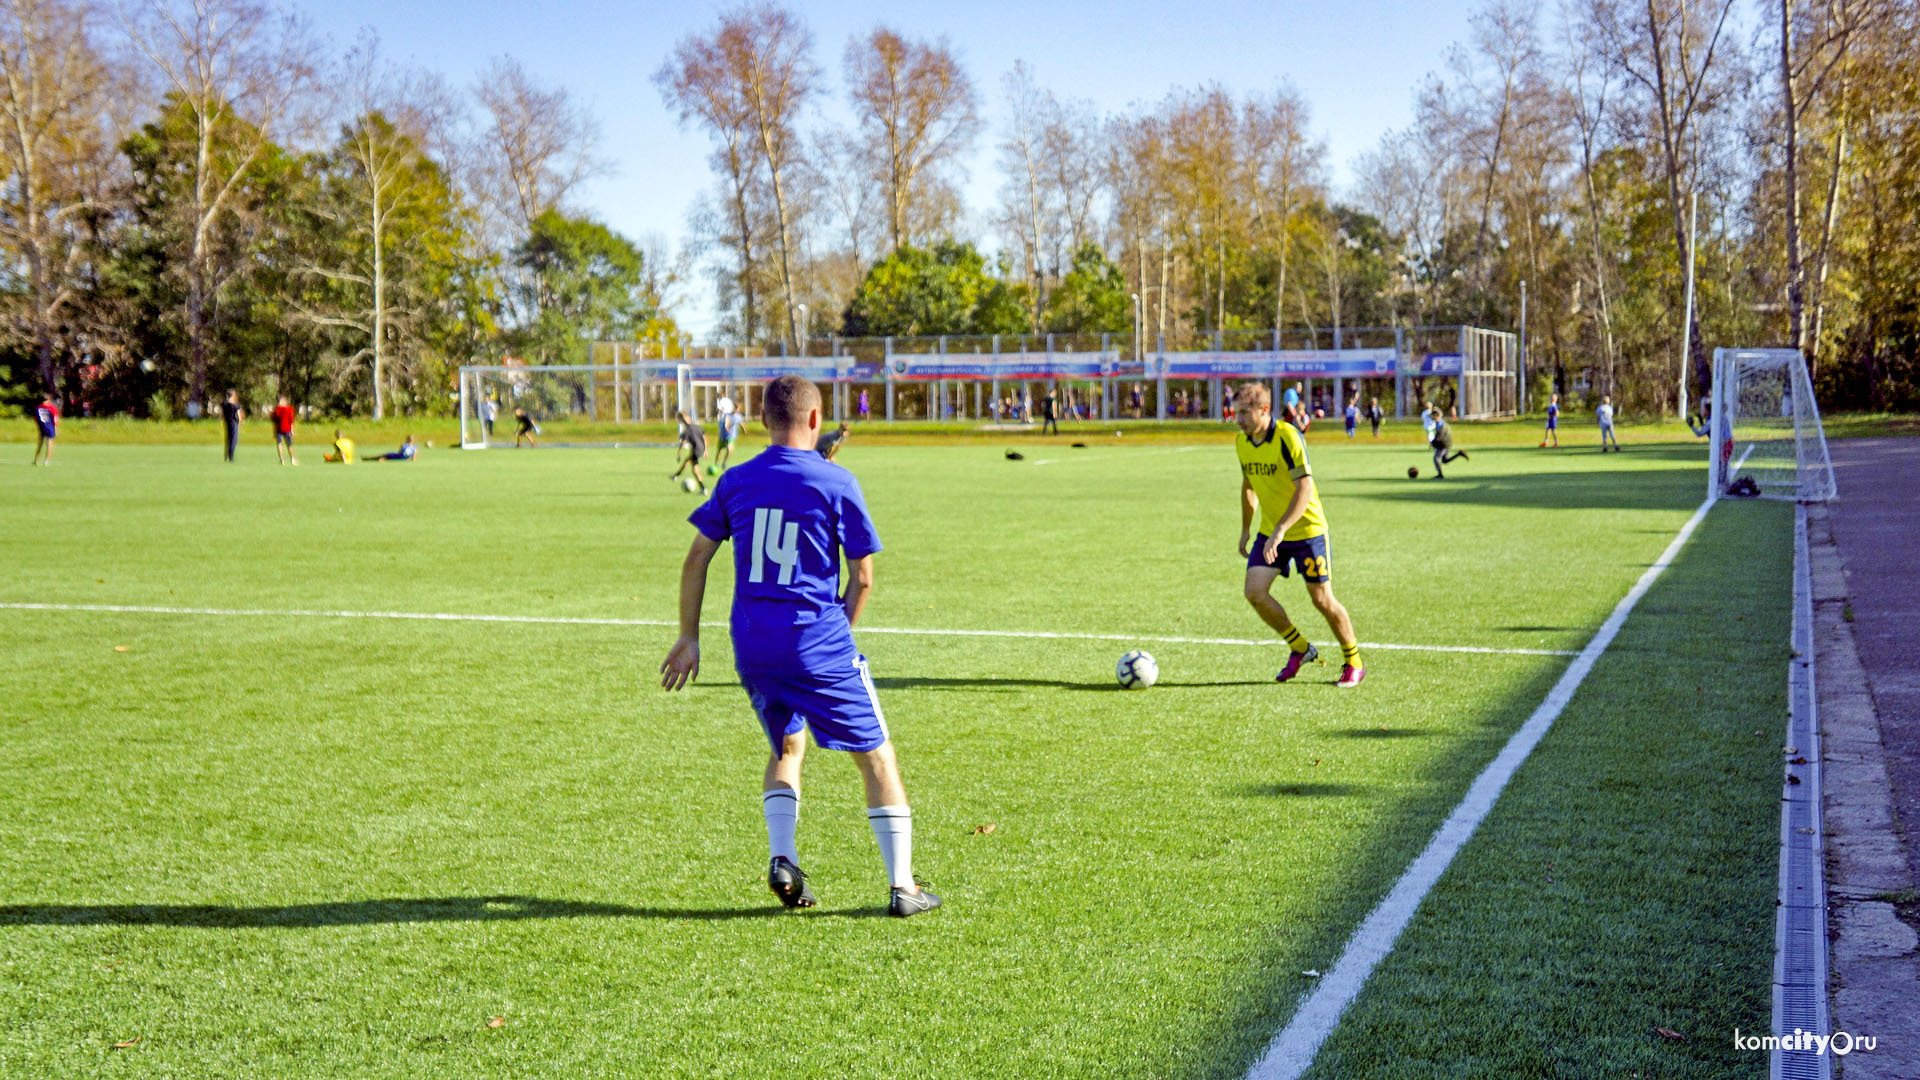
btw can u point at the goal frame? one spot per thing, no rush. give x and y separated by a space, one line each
1734 434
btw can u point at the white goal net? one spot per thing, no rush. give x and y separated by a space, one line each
585 405
1766 427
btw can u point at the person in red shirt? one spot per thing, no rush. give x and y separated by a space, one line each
47 415
283 417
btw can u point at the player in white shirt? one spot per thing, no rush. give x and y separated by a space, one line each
1605 415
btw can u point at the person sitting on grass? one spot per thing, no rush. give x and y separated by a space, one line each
342 449
407 452
1442 443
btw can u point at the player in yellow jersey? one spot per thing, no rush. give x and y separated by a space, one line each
1276 485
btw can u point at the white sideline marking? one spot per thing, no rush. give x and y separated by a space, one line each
564 620
1294 1048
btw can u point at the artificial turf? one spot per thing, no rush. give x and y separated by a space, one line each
297 846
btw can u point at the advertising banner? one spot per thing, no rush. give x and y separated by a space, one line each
1025 365
1285 363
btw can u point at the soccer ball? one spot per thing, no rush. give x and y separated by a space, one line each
1137 670
711 471
689 485
1413 473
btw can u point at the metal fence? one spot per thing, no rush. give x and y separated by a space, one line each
1471 371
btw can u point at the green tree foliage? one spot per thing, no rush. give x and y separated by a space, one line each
943 291
1091 298
387 267
145 281
584 283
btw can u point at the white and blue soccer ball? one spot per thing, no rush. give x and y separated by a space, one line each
1137 670
689 485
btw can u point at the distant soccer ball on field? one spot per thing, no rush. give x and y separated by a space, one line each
1137 670
1413 473
689 484
711 471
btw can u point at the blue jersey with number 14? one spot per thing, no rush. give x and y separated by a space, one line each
790 513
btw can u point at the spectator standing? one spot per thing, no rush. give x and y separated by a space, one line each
284 415
1374 415
1605 415
47 416
230 416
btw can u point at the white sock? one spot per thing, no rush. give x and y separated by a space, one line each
893 828
782 809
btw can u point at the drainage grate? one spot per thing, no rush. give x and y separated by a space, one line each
1800 924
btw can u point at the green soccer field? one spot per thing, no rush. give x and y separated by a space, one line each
294 844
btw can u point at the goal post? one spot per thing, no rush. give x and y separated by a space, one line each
569 405
1766 426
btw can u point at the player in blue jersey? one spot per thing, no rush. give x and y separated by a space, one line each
1353 415
792 514
1292 410
1553 423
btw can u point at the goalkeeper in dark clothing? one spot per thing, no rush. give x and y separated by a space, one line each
1442 444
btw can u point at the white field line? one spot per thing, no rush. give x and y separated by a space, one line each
1294 1048
563 620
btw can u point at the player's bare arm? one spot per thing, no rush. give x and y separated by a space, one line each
1302 495
1249 509
682 664
859 587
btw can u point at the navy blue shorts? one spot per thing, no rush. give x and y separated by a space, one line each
48 431
1310 555
841 710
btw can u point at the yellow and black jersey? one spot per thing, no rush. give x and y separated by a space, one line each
1272 468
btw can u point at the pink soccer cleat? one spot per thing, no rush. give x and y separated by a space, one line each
1294 660
1350 676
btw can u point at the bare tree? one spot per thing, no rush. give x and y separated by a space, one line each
749 82
1588 87
240 70
1825 32
539 143
55 129
1668 47
1026 204
918 113
395 114
1286 165
1479 108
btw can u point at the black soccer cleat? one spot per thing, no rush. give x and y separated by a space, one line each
903 903
789 883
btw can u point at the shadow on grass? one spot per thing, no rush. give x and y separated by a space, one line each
902 682
1297 791
1382 733
1542 491
369 912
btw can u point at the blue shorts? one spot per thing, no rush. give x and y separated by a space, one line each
842 711
1552 422
48 431
1309 554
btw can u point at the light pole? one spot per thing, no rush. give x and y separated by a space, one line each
802 309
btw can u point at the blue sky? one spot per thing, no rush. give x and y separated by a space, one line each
1356 63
